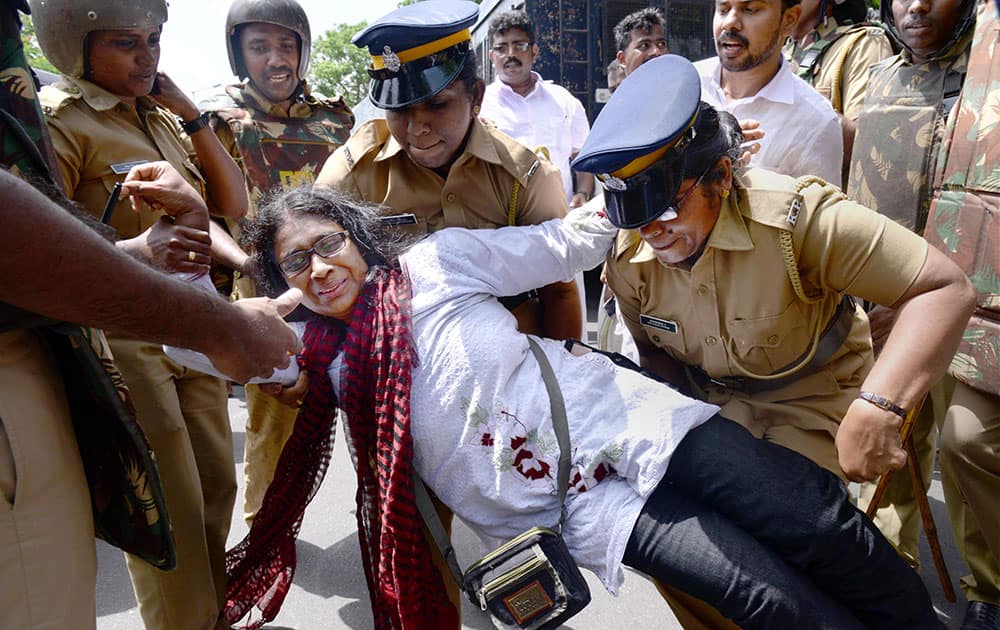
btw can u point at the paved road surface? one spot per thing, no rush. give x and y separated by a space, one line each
329 591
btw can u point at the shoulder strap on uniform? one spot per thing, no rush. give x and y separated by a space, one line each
543 153
836 94
370 136
815 51
53 98
787 247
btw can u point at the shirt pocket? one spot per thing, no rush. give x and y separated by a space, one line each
549 131
771 343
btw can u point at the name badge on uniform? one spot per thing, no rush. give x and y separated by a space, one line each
124 167
665 325
399 219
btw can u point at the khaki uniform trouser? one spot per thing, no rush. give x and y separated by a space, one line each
970 463
969 424
185 416
269 425
48 562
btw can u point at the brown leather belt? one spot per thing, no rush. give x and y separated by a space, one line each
833 337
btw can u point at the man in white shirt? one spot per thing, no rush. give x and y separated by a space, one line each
750 79
534 112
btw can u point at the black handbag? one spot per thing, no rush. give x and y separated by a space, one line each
531 581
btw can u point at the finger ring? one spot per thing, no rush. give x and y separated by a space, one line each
191 256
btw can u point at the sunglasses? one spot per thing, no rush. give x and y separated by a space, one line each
670 212
326 247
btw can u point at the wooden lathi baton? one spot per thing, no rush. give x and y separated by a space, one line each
920 492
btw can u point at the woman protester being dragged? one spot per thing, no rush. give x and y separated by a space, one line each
436 380
110 111
432 158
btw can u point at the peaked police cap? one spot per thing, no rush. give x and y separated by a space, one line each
417 50
637 143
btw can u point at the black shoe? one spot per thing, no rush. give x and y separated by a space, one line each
981 616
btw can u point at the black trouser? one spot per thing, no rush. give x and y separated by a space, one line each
771 539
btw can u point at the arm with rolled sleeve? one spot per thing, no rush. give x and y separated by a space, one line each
852 249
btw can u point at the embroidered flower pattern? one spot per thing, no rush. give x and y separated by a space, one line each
532 456
525 461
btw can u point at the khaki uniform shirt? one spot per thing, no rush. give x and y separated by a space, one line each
476 194
845 63
98 138
734 312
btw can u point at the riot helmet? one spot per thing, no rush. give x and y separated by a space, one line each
62 26
286 13
965 21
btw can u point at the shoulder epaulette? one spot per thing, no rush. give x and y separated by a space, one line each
55 97
518 159
773 199
368 138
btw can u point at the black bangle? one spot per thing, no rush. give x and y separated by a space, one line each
195 124
883 403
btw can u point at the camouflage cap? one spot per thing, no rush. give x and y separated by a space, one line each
286 13
62 25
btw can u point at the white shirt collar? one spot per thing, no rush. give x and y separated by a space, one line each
510 91
780 89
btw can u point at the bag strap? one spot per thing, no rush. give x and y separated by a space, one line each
434 525
561 426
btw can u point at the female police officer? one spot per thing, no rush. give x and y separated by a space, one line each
739 280
431 157
733 285
102 122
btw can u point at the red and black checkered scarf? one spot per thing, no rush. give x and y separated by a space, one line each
406 590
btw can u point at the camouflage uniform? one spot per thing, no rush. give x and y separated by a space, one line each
899 132
964 224
273 149
892 170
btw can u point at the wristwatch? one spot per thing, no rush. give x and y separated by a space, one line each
883 403
195 124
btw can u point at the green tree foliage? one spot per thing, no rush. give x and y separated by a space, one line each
338 66
31 49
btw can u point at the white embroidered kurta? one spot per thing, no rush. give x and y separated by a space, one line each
481 420
480 415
